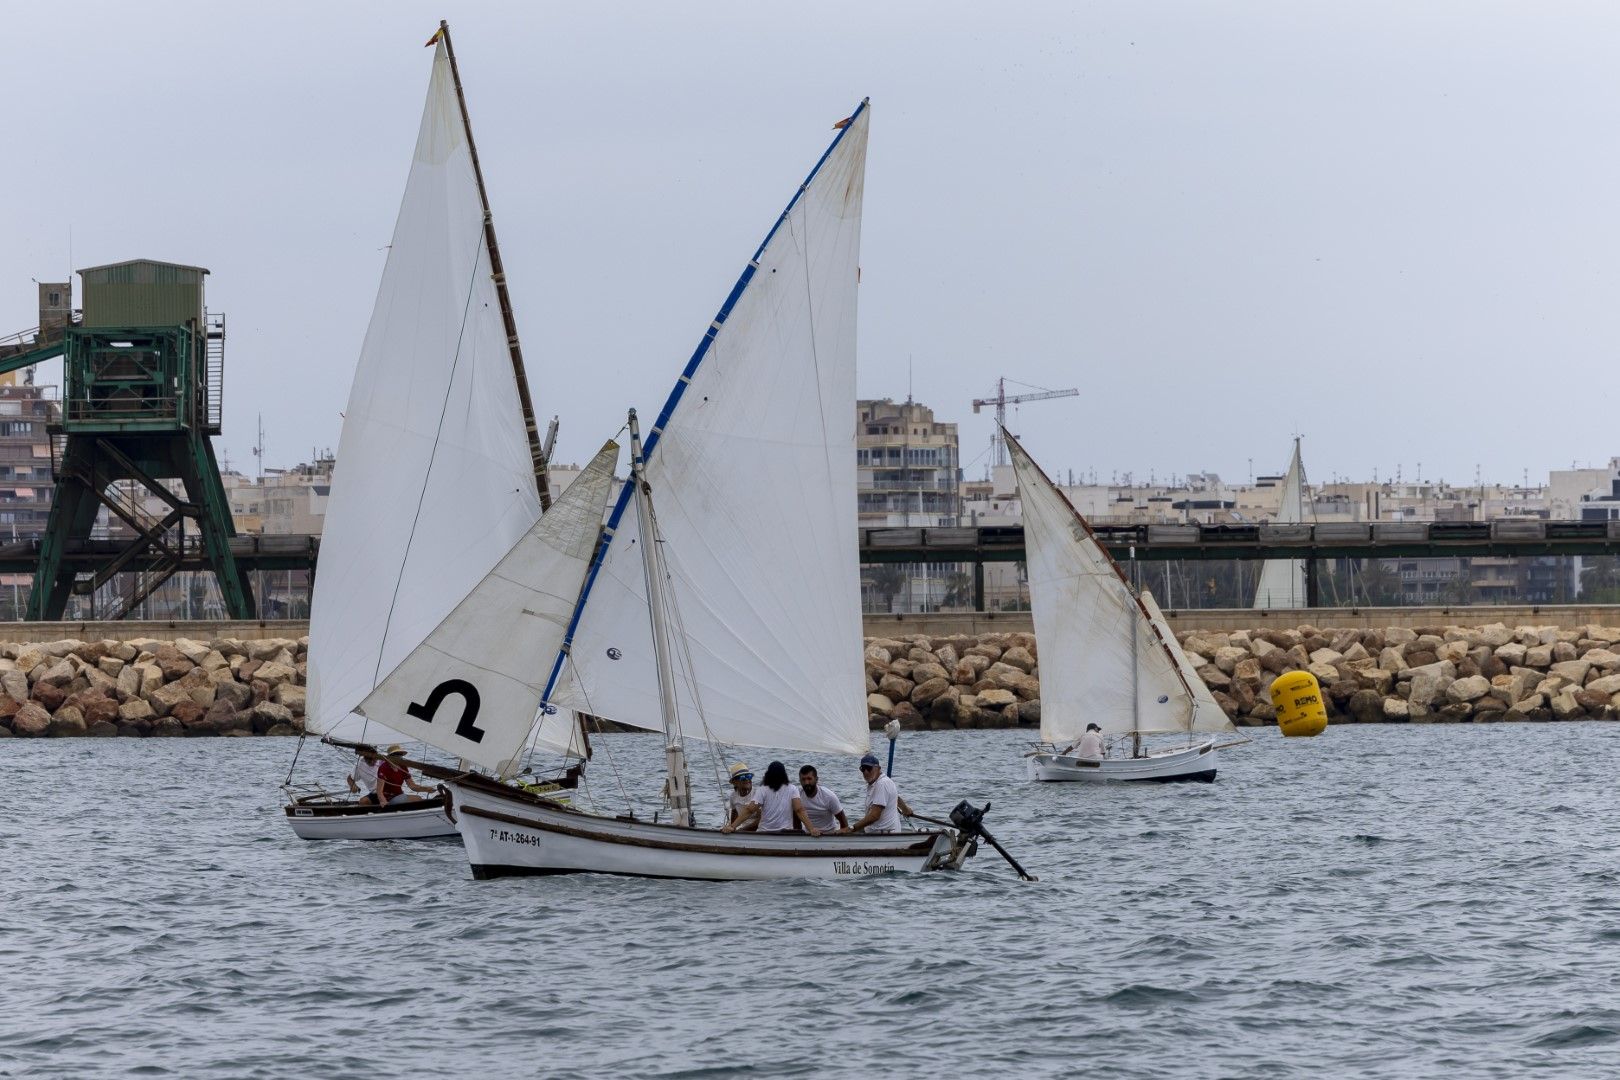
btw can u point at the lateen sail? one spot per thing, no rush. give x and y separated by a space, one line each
1095 642
473 687
434 482
1206 714
1282 581
752 471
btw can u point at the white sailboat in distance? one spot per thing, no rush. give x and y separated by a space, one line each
1282 581
1107 656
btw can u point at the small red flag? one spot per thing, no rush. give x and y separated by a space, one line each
438 35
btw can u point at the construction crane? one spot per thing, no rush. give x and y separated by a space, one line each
998 447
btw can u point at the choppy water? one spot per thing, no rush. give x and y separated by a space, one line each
1377 902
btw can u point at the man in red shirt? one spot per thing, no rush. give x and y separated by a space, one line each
393 777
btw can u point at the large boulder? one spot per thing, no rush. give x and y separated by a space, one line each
1397 710
922 673
293 696
1019 658
15 685
1573 670
995 699
267 714
1367 707
876 704
65 722
921 694
59 674
166 697
49 695
31 721
171 662
239 696
1470 688
893 687
135 709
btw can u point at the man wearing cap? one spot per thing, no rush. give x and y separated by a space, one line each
393 778
883 802
1090 745
742 805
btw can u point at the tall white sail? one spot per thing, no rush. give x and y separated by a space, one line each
1101 659
473 687
434 482
1282 581
751 466
1204 712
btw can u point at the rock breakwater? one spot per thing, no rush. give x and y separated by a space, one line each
145 687
1435 674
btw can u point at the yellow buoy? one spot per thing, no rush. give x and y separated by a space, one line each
1297 697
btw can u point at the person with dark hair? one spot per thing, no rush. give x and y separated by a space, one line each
779 803
821 806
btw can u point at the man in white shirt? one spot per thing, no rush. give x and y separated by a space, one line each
821 806
883 802
742 805
363 777
1090 745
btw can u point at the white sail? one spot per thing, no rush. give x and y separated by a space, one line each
1206 713
473 687
434 482
559 732
1282 581
752 474
1100 659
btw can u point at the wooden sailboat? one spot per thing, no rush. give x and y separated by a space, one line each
731 614
440 470
1107 656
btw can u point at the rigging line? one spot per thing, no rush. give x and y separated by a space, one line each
613 765
438 434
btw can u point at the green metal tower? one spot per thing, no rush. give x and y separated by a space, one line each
143 374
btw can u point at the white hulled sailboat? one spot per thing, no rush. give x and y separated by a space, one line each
439 469
740 624
1107 656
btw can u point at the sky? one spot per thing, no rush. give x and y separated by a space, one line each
1389 227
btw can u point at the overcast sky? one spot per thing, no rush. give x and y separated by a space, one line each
1392 227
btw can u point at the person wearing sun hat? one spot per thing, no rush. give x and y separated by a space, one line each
742 805
883 802
393 777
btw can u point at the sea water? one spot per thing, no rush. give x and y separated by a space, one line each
1380 901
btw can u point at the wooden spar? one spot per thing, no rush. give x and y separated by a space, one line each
1012 440
497 271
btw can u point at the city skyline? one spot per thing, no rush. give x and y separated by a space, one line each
1221 226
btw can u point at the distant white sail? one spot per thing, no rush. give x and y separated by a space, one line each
752 473
473 687
434 482
1282 581
1097 647
1204 713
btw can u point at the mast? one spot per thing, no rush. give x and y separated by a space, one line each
677 783
1136 692
497 271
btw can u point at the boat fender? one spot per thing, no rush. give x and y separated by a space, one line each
1297 697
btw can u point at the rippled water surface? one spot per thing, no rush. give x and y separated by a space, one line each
1377 902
